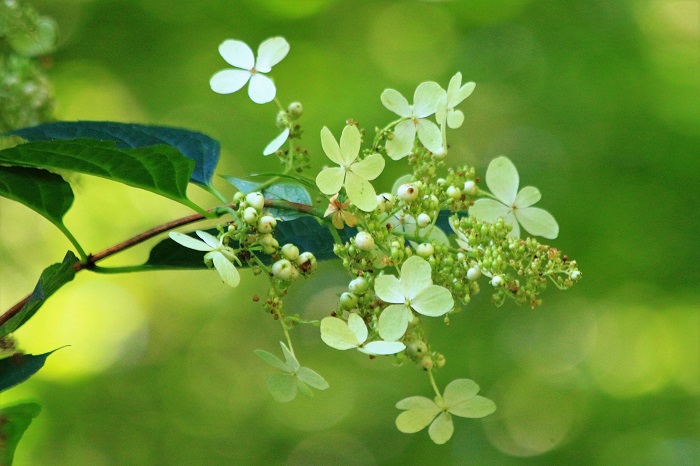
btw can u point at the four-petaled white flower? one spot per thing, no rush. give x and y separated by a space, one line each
460 398
340 335
455 94
284 386
352 173
220 256
513 206
413 291
261 89
425 102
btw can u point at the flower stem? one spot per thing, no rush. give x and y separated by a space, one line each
432 382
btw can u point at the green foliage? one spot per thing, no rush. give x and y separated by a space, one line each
14 421
19 367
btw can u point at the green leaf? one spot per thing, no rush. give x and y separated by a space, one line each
52 278
287 192
19 367
44 192
158 169
242 185
200 148
14 421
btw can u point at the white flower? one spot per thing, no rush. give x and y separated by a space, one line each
261 89
513 206
284 386
413 291
425 102
217 254
455 94
340 335
460 399
276 143
351 173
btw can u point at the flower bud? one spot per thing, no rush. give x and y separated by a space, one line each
364 241
348 301
358 285
306 262
408 192
440 361
295 110
416 349
497 281
423 220
250 215
266 224
239 196
282 120
575 275
290 252
473 273
426 363
255 200
425 250
282 270
470 188
385 202
454 193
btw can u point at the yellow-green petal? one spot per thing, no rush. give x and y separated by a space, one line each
538 222
393 322
330 146
350 142
527 197
227 271
388 289
502 179
402 143
369 168
475 408
330 180
441 429
433 301
415 276
360 192
336 334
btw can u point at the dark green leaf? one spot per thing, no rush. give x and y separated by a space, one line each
287 192
44 192
52 278
243 186
159 169
193 145
14 421
19 367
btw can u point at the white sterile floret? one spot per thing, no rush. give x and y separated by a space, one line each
513 206
282 270
473 273
364 241
408 192
353 174
425 101
261 89
460 399
250 215
414 291
423 220
266 224
276 143
340 335
293 378
218 255
255 200
456 93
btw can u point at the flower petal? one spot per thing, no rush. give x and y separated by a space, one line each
282 387
415 276
370 167
382 347
402 143
271 359
336 334
227 271
538 222
455 118
394 101
209 239
330 146
419 403
458 391
229 81
426 98
276 143
237 53
350 142
312 378
388 289
330 180
461 94
488 210
429 135
527 197
189 242
358 327
393 322
502 179
270 52
475 407
414 420
360 192
441 429
454 85
261 89
433 301
290 360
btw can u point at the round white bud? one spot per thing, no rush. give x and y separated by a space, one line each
497 281
295 110
575 275
250 215
364 241
423 220
266 224
408 192
473 273
290 251
306 262
358 285
470 188
454 193
282 270
425 250
348 301
255 200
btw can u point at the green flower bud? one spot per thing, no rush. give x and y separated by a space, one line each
454 193
470 188
306 262
238 197
282 120
425 250
416 350
364 241
290 252
473 273
255 200
497 281
266 224
426 363
358 285
282 270
295 110
348 301
250 215
423 220
440 361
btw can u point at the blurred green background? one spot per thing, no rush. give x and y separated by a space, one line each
595 101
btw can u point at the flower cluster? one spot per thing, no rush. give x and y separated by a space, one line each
418 252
